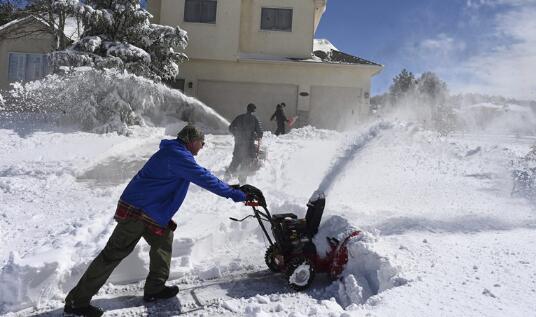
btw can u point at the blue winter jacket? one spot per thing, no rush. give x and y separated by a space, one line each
160 186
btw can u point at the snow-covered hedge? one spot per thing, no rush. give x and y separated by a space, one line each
108 101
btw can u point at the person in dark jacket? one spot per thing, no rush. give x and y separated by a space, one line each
145 210
246 129
280 118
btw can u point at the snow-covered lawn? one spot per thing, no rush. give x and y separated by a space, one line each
442 234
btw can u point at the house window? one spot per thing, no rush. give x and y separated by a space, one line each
27 67
203 11
276 19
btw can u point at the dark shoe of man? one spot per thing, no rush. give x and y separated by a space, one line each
88 311
167 292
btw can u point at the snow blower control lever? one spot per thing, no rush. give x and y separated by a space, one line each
292 251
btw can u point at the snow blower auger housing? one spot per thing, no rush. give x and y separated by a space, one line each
292 251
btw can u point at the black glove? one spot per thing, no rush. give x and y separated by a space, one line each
253 194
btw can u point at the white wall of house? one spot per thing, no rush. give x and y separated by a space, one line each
238 28
208 40
298 41
27 53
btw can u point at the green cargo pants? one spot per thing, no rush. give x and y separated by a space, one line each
126 235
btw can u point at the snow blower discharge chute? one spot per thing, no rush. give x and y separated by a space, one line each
292 250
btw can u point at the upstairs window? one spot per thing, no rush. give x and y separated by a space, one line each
275 19
27 67
202 11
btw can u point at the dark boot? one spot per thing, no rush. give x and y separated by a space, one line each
88 311
167 292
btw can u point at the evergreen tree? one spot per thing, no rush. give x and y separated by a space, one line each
403 84
118 34
432 88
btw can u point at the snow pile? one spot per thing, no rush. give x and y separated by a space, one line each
367 273
107 101
433 210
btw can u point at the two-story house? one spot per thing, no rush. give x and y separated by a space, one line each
264 52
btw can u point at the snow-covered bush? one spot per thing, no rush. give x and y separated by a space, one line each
118 34
109 100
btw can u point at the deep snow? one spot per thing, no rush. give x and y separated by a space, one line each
442 233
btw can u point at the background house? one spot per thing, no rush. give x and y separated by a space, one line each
264 52
23 49
24 45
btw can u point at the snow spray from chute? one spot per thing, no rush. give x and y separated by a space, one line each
105 101
355 145
364 272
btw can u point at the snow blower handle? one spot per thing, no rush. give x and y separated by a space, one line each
254 196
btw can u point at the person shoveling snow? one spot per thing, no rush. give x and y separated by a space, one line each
145 210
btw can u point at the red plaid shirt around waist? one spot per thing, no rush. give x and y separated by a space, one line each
127 211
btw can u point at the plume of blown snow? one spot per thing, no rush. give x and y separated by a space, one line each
355 144
108 101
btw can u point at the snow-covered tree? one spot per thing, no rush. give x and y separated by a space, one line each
118 34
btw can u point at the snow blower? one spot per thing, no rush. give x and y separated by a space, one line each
292 250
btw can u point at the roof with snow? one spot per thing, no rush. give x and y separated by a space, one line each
323 52
72 29
327 52
14 22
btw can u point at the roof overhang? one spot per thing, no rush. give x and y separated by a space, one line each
320 8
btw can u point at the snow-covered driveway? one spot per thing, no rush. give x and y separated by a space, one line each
443 235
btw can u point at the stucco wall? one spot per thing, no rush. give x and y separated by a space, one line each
207 40
238 29
297 44
31 43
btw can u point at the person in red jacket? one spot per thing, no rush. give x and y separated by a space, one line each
145 210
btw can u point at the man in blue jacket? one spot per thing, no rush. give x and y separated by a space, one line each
145 210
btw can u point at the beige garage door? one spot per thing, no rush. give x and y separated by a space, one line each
335 107
231 98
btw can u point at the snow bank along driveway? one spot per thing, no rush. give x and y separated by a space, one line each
442 234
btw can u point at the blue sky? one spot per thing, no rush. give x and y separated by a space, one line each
486 46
